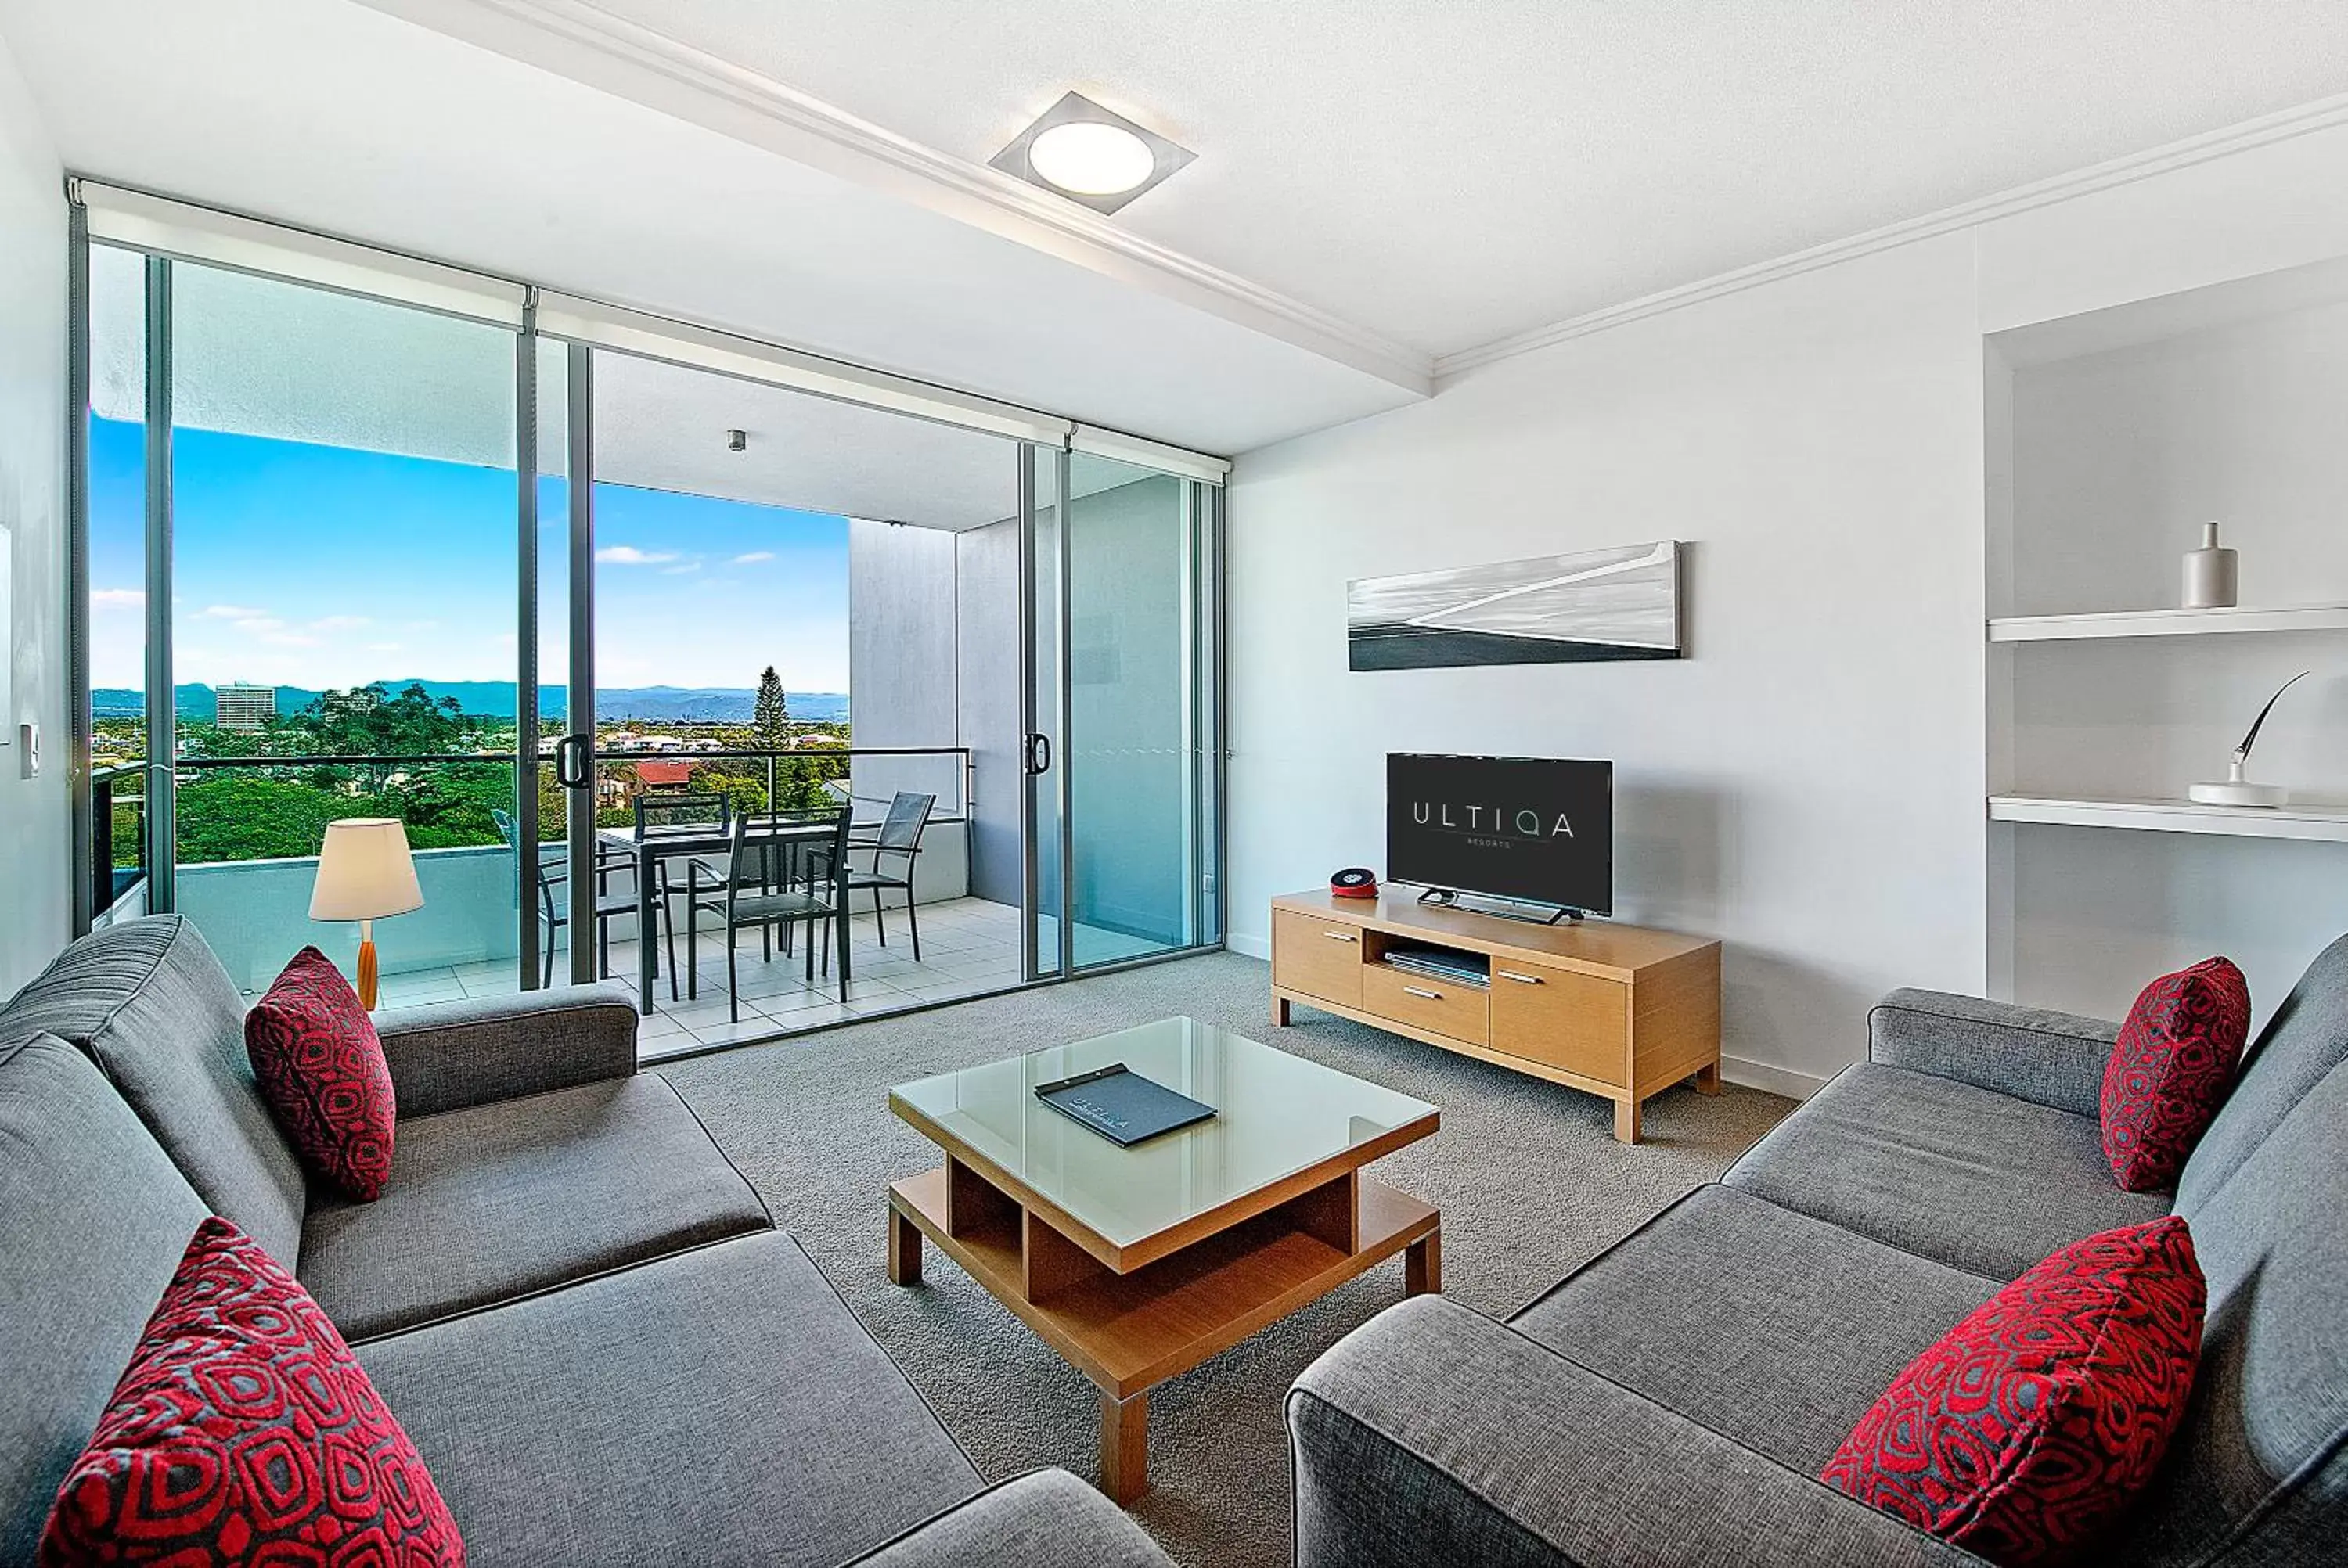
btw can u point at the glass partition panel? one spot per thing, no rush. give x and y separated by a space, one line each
799 606
1138 850
344 560
117 503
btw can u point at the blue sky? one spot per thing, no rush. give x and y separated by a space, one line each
311 565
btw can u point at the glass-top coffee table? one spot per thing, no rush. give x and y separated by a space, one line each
1138 1264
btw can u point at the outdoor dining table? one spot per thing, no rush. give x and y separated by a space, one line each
689 839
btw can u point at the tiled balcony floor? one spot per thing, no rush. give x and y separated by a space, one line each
969 947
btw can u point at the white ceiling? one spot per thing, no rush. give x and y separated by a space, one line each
339 117
664 427
1448 172
1379 182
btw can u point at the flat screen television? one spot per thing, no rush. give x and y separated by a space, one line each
1536 829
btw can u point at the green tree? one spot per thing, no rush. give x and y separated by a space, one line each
368 721
230 815
770 719
450 805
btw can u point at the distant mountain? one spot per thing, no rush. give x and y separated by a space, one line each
495 700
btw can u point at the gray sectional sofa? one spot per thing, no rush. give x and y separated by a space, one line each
580 1311
1672 1401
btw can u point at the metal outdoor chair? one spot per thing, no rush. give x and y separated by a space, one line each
750 897
554 871
900 835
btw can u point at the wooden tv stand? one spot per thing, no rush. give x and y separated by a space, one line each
1619 1011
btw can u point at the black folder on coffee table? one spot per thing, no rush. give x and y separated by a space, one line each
1121 1105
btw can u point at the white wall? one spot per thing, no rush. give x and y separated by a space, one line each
900 659
1807 784
36 823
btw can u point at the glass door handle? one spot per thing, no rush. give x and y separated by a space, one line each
1039 753
571 762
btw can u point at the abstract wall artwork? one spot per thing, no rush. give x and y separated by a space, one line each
1622 603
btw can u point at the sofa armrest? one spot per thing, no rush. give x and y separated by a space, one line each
2051 1058
446 1056
1431 1434
1046 1519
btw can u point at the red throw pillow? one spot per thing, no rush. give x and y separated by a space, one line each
2034 1422
245 1431
321 1069
2170 1070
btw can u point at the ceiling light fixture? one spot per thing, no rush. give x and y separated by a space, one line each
1090 155
1087 157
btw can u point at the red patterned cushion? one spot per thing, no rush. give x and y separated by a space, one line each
321 1067
2170 1070
246 1432
2031 1423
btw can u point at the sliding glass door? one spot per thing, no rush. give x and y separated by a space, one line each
320 565
1126 713
361 537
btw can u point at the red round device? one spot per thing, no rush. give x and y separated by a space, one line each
1354 882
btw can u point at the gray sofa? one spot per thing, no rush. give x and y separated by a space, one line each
580 1311
1672 1401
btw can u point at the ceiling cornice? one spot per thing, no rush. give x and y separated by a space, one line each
587 43
2324 114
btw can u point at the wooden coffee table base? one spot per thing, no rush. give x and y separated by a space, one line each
1130 1331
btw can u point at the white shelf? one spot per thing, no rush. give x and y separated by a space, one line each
2166 622
2317 821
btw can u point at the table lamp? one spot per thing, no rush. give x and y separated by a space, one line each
2237 788
364 874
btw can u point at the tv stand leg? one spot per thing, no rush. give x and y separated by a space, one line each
1626 1120
1707 1078
1280 1012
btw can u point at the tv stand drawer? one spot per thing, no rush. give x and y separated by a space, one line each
1316 958
1579 1023
1445 1007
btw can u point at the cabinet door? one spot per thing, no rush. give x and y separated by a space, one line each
1578 1022
1316 958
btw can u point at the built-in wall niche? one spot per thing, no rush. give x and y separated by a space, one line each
2096 912
2111 438
2147 719
2119 456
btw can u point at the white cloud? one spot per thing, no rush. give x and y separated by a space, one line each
233 612
751 557
629 555
118 598
680 571
385 647
338 622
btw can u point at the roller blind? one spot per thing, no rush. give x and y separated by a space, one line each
194 233
180 230
1156 455
681 342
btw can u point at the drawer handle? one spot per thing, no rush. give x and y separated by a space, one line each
1340 936
1520 980
1418 991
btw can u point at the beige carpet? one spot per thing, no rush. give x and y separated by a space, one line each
1528 1175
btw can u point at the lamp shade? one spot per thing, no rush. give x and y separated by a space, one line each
364 872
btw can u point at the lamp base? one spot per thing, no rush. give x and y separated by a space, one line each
366 969
2237 792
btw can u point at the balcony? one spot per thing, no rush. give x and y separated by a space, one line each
466 940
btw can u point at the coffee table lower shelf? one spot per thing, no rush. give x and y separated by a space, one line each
1127 1332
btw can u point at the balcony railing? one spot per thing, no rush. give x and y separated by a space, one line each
117 861
248 831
